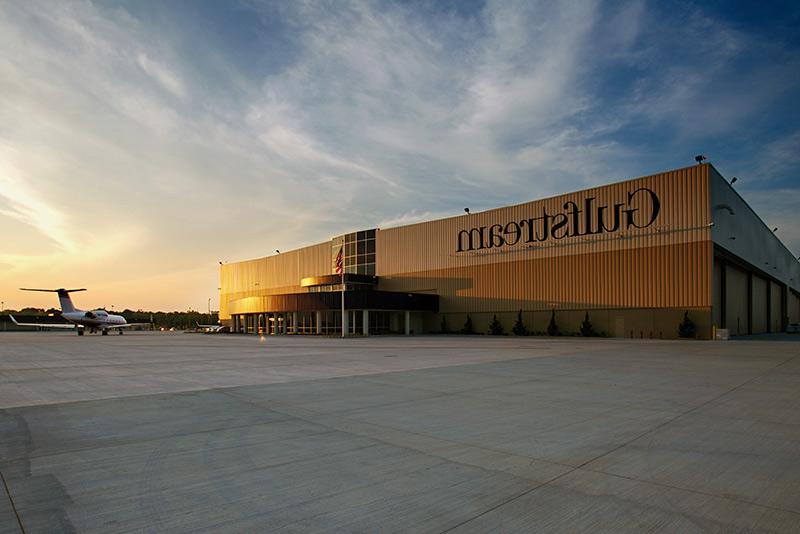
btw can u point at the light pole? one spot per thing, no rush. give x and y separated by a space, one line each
209 310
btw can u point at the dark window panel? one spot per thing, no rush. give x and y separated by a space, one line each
369 258
371 246
371 234
370 269
360 236
362 247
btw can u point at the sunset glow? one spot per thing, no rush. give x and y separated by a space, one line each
142 143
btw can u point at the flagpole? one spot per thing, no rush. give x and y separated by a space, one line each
340 272
343 332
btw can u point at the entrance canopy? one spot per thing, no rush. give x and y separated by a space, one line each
330 300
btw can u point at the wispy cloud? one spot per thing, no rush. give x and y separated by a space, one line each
140 139
162 74
21 202
411 217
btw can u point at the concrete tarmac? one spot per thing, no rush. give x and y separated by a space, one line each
151 432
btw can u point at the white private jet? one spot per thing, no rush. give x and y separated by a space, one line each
211 328
80 320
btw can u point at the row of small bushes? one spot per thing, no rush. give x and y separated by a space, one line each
686 328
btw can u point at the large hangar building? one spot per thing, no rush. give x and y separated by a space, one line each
634 255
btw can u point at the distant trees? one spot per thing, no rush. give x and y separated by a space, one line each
179 320
30 311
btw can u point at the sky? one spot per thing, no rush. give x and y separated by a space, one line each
143 142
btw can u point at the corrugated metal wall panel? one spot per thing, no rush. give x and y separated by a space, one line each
668 276
684 217
271 275
664 265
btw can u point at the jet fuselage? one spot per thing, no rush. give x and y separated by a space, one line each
96 319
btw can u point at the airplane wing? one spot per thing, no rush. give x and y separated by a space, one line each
126 325
43 325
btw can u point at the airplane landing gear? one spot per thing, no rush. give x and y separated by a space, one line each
105 332
80 331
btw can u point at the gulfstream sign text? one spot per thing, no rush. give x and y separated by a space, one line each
639 211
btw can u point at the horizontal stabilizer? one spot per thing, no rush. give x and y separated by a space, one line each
53 290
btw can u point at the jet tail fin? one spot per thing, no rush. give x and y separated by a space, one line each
63 296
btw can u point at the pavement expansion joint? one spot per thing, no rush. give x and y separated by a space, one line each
13 504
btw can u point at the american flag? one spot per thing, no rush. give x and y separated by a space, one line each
339 266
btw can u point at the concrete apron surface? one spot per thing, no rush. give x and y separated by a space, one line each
179 433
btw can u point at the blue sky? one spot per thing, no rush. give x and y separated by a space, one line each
152 139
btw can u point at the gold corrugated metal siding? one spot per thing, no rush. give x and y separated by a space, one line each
670 276
427 246
665 265
668 264
271 275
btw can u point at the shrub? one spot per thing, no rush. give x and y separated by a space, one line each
519 327
444 329
552 328
495 328
586 327
686 328
467 329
